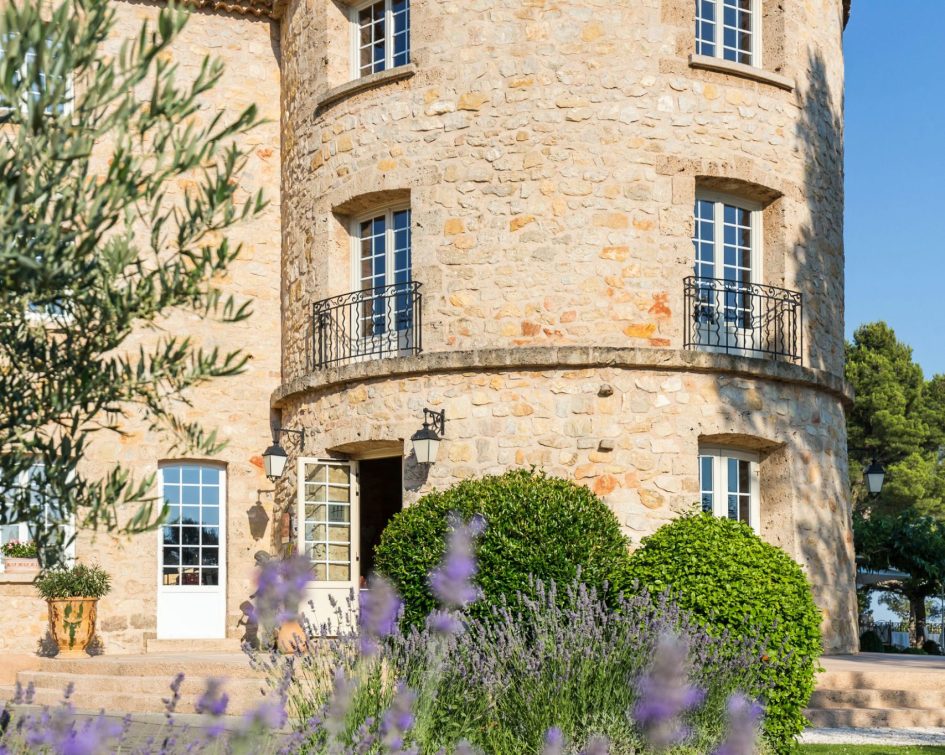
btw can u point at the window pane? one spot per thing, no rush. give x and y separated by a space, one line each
211 577
706 483
400 10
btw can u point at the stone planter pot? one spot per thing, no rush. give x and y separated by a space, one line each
72 623
291 638
20 565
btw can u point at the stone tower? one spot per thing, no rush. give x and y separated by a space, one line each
604 238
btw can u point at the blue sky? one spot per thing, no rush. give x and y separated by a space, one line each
895 172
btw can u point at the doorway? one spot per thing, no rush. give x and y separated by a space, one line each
382 496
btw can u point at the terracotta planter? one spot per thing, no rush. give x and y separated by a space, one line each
72 623
291 638
20 565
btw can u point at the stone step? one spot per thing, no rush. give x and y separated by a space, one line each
892 679
931 699
228 645
165 665
119 702
156 686
859 718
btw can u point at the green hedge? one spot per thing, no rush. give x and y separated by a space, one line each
536 525
870 642
722 572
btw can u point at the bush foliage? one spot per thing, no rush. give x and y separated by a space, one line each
870 642
79 581
536 526
723 573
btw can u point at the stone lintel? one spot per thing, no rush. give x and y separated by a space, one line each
563 357
720 65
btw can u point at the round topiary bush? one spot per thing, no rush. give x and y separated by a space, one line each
536 525
722 572
870 642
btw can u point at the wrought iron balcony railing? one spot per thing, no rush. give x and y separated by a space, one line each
374 323
746 319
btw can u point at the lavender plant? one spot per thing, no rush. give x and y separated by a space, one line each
552 672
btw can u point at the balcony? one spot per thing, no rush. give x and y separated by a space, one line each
744 319
374 323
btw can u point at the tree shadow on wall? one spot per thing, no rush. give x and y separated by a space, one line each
824 526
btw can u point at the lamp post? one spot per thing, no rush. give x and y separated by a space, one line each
275 458
874 477
426 441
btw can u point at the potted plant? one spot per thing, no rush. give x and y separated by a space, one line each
19 558
72 595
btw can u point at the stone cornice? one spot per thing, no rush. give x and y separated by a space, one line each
563 357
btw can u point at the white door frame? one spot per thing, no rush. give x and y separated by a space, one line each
193 611
317 605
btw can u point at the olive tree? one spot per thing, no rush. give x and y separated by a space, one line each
97 246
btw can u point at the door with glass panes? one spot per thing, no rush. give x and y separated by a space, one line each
328 514
192 552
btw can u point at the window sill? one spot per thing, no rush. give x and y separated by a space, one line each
720 65
351 88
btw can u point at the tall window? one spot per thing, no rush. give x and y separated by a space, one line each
726 241
194 495
43 80
381 36
728 481
729 29
383 272
40 501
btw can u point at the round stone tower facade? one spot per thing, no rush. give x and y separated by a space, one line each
604 238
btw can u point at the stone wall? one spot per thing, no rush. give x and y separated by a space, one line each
237 407
551 152
631 432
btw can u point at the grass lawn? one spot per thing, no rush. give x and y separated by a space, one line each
870 750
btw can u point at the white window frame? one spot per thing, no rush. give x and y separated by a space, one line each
24 105
719 200
355 45
24 535
387 210
720 456
354 555
756 30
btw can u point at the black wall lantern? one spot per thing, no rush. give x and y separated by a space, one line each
875 476
275 458
426 441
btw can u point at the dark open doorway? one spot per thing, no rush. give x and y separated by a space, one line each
382 496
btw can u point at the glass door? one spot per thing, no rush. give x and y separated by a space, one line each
192 553
328 536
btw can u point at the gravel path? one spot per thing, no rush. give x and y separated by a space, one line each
873 737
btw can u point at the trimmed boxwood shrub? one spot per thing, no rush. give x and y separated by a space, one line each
722 572
536 525
870 642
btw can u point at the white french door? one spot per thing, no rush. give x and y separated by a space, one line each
727 240
191 595
381 260
328 516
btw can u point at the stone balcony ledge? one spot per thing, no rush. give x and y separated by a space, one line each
562 357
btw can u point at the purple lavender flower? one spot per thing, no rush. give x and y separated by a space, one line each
398 719
665 694
744 717
452 583
380 611
280 589
214 700
554 742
